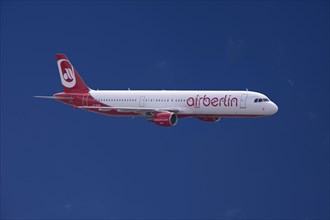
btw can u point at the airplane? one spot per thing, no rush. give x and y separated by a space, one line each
164 108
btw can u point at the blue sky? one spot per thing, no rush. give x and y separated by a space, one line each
65 164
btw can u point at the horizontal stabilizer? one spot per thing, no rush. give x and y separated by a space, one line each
54 97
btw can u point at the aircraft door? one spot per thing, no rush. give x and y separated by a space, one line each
142 98
85 99
243 101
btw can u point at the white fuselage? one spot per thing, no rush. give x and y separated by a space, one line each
191 103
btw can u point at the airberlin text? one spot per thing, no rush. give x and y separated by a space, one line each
226 101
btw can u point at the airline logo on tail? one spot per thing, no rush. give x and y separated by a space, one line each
67 73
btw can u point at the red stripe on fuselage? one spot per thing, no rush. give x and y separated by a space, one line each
86 99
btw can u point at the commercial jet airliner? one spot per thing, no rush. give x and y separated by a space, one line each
161 107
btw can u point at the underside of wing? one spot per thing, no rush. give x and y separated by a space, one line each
140 110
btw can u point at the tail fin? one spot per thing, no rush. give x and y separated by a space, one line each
70 78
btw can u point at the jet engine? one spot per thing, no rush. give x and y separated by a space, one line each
209 119
167 119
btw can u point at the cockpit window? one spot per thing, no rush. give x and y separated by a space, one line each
261 100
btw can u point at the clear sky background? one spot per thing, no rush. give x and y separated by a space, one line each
60 163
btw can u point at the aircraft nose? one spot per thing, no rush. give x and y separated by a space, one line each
274 108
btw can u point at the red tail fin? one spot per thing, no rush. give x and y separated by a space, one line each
70 78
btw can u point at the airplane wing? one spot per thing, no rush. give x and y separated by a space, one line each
140 110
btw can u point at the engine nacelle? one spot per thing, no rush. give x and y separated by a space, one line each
209 119
165 119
